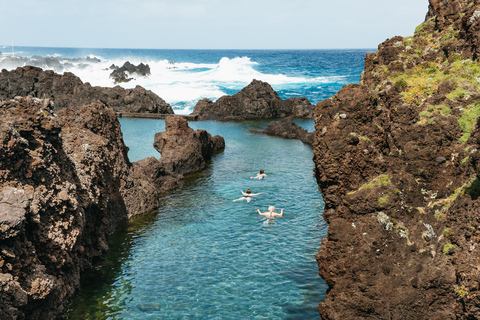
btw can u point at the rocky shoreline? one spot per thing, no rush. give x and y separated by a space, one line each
66 182
396 159
67 90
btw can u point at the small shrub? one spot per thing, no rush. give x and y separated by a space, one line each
468 119
461 291
402 83
447 232
448 247
383 200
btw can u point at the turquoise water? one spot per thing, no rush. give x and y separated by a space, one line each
203 256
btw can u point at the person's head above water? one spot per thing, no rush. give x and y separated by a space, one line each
249 191
261 171
271 208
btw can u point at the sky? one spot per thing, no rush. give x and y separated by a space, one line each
208 24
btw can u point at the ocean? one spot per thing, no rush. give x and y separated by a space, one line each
183 77
201 255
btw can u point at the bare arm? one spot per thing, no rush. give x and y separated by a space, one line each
279 214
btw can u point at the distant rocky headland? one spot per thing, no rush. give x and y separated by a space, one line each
67 90
65 184
397 161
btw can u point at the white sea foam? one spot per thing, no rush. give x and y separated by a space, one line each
183 84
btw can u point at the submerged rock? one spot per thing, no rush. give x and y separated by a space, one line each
256 101
68 90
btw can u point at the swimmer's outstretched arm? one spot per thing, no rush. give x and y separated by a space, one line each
265 214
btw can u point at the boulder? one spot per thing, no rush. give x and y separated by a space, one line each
184 150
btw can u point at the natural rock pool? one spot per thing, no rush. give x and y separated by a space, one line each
203 256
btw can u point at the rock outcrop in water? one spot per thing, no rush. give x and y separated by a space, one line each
65 184
288 129
68 90
119 74
256 101
183 151
397 163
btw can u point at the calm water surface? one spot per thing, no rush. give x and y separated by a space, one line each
203 256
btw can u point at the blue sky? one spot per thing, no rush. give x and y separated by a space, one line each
208 24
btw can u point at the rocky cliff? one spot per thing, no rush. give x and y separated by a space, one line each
397 161
67 90
65 183
258 100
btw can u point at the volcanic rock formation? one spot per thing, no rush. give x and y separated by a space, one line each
288 129
396 159
65 184
183 151
256 101
119 74
68 90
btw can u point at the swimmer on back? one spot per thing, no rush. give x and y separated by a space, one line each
260 175
247 196
270 214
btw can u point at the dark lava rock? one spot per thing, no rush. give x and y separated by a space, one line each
119 74
68 90
441 160
256 101
403 231
65 184
288 129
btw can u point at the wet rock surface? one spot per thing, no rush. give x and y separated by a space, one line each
68 90
256 101
65 184
396 159
288 129
119 74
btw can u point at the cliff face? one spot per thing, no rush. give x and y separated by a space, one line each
396 158
59 178
65 184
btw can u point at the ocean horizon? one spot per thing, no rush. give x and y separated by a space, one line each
182 77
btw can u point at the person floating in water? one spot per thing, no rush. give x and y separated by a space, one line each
247 195
260 175
270 214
